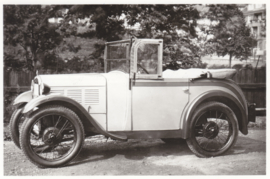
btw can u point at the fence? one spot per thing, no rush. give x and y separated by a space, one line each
18 81
252 82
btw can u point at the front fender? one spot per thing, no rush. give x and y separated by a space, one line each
56 98
213 95
42 99
23 98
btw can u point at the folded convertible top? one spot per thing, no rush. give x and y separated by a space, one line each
199 73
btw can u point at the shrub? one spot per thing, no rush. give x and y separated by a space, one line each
8 103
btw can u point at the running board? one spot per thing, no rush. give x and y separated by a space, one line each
116 137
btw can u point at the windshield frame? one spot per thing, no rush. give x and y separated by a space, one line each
107 60
132 58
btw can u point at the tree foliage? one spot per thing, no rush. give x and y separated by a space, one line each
176 25
27 26
231 35
163 21
105 20
110 22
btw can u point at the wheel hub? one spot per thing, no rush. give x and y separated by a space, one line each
210 130
51 136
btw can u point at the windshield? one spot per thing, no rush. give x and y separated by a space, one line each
117 56
148 58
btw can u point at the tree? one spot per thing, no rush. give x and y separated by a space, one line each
231 35
164 21
27 26
175 24
105 20
182 54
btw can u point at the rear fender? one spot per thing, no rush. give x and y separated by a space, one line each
75 106
219 96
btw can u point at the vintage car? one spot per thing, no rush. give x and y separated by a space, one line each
133 99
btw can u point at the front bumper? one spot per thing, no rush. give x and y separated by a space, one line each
251 112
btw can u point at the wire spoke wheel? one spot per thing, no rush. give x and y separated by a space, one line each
48 137
52 137
214 130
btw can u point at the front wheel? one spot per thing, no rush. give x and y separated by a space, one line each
214 130
52 136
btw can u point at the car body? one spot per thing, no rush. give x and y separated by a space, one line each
135 99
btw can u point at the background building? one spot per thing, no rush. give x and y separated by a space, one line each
255 16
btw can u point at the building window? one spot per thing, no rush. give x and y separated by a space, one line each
257 6
255 31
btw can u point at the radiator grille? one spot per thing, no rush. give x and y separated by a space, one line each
75 94
91 97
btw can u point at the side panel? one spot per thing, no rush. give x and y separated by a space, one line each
118 101
100 119
158 105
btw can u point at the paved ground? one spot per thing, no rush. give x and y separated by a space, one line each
149 157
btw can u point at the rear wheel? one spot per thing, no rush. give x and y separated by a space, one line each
52 136
214 130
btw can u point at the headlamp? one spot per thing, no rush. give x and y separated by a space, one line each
38 88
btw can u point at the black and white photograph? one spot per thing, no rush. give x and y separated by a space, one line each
148 88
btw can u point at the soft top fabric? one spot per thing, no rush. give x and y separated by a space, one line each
197 73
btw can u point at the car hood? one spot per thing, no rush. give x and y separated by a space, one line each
73 80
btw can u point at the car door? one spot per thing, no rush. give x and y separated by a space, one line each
157 103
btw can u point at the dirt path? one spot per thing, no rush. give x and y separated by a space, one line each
148 157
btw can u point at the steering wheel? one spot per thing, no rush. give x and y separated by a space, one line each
144 70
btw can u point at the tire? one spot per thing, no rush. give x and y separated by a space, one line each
15 123
213 130
52 136
173 140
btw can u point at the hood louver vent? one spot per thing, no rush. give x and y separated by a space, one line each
86 97
91 97
58 91
75 94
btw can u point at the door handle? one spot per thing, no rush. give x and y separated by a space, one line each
185 89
